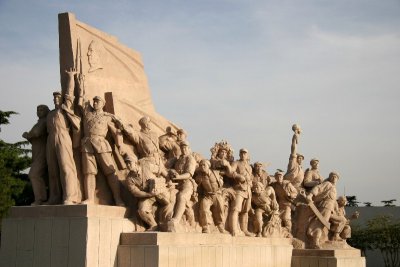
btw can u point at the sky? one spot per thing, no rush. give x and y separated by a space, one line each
242 71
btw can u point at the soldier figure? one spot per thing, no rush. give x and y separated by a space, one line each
168 144
285 194
182 173
63 180
295 173
260 175
264 202
324 198
37 136
96 151
312 177
210 188
242 176
143 188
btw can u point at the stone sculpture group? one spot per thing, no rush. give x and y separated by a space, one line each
176 189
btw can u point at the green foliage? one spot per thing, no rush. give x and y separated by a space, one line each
14 182
389 203
352 201
381 233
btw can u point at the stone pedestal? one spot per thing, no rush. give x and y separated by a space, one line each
327 258
73 236
155 249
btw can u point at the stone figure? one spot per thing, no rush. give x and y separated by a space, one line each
322 201
182 173
146 143
169 144
211 197
63 181
285 194
312 177
340 225
96 150
264 203
260 175
37 136
241 173
94 56
150 192
295 173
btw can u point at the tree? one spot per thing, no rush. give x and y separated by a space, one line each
367 204
389 203
352 201
381 233
14 183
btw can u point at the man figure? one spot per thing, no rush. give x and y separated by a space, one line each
63 181
260 175
182 173
264 202
324 198
242 176
146 142
285 194
340 224
148 193
210 188
37 136
295 173
96 151
312 177
168 144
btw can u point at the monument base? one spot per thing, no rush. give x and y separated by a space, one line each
327 257
76 235
157 249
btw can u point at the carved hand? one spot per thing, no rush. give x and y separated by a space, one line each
71 72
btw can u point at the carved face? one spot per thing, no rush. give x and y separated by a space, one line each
57 100
300 159
98 104
41 112
243 155
185 150
342 202
314 164
204 166
333 178
181 136
258 168
257 188
279 178
222 154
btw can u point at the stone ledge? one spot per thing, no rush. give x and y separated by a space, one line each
162 238
45 211
339 253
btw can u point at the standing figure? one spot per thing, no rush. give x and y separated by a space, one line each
242 176
285 194
324 198
312 177
182 173
210 189
37 136
63 180
264 202
96 151
147 146
260 175
295 173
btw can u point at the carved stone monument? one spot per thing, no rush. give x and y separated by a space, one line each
125 190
